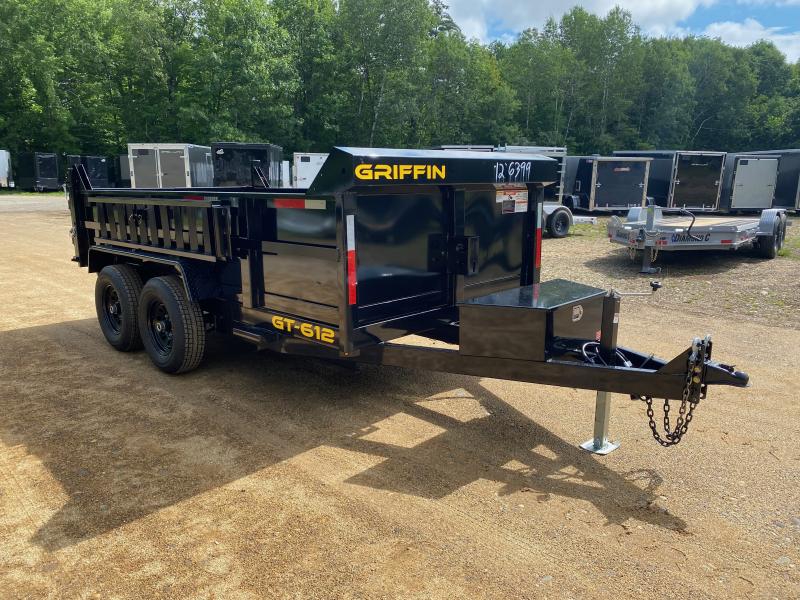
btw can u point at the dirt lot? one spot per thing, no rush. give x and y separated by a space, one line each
265 476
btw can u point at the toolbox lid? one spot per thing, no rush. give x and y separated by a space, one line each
348 168
546 296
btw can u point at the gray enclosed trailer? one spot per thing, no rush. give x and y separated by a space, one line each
6 178
606 183
787 186
686 179
748 182
170 166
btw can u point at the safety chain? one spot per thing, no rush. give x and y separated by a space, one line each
694 390
653 252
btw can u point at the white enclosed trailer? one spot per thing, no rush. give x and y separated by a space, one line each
6 179
170 166
305 166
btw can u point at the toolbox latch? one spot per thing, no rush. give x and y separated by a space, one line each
464 254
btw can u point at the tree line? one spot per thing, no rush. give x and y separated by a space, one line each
89 76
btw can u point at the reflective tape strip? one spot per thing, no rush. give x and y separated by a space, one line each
304 203
537 262
290 203
352 281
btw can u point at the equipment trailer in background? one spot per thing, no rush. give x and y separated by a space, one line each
385 243
653 230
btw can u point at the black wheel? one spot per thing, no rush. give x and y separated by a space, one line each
768 246
172 328
558 224
116 299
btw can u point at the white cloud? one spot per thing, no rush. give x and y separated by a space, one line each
749 31
488 19
478 18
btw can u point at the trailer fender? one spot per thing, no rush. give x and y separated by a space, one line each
767 222
198 279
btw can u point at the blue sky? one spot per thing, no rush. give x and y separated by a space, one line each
737 22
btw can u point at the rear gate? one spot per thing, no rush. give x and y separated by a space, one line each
145 168
173 168
620 184
697 181
754 182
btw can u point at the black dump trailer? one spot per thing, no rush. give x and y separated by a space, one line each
683 178
787 186
37 171
97 168
748 182
606 183
385 243
239 164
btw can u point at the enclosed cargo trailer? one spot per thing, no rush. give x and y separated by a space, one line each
385 243
38 171
683 178
234 164
97 168
170 166
748 182
602 183
787 185
6 174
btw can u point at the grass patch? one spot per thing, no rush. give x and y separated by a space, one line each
4 192
791 244
590 231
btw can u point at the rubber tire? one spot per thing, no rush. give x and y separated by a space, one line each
127 282
558 224
768 246
188 328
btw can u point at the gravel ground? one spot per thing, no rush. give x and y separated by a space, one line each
268 476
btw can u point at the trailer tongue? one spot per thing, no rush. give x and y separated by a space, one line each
385 243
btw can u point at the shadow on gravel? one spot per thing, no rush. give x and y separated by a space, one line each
124 440
677 263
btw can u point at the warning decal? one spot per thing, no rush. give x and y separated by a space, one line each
514 200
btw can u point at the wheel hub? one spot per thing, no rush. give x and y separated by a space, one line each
160 327
113 308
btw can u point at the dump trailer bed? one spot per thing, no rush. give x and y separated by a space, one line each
658 230
385 243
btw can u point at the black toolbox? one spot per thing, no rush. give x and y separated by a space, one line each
523 322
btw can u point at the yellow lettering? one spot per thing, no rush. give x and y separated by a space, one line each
364 172
382 172
327 336
307 330
398 172
277 322
289 324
